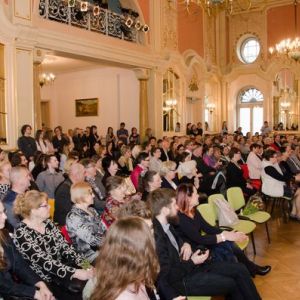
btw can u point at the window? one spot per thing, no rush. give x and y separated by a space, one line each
250 110
171 91
248 49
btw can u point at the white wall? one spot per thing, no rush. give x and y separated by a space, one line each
117 90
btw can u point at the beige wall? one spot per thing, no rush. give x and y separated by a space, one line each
117 90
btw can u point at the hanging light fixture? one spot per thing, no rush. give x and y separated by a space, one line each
213 7
289 47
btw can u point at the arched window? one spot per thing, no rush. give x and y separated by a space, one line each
250 110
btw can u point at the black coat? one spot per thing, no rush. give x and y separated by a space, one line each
172 269
16 266
63 203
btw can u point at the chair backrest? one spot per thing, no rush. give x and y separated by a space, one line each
235 198
211 201
51 203
207 212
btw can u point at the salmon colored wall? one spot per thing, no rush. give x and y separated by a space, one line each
190 30
144 5
281 23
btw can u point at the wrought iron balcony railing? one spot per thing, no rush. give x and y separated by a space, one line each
106 22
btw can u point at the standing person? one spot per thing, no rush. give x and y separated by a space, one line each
40 143
62 195
200 129
59 140
26 143
122 134
48 180
93 139
265 129
177 128
11 262
110 137
224 129
134 138
183 272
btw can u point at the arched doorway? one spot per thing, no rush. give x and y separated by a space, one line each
250 109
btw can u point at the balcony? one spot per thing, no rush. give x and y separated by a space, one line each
104 22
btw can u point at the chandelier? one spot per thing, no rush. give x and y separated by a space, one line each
46 78
288 47
213 7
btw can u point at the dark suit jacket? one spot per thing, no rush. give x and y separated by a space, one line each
165 184
16 265
163 156
63 203
172 269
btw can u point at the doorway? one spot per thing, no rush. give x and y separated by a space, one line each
45 113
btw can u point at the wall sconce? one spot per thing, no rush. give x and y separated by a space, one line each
285 105
171 102
46 78
211 107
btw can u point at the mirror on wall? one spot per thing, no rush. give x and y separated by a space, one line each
3 114
171 96
285 101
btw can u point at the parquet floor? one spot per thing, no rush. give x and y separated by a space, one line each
283 254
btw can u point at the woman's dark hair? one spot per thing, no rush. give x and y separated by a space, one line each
254 146
92 129
144 181
179 146
233 151
142 156
106 162
24 127
153 150
38 134
184 191
181 157
3 238
268 154
16 159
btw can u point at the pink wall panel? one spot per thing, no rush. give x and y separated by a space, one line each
281 23
190 30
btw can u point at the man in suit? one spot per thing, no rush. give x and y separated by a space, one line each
184 273
165 145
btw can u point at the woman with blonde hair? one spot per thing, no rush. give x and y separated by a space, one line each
29 285
83 222
5 168
128 262
125 161
43 247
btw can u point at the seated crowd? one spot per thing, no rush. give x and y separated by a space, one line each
83 220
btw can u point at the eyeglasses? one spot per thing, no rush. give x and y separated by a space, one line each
91 192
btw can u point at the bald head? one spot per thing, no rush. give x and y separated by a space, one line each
20 178
76 172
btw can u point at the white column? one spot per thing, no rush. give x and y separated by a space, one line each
24 86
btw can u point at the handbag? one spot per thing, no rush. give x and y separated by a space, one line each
226 215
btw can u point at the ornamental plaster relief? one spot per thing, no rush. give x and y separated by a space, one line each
251 23
169 26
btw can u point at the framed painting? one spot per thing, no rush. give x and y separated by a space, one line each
86 107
